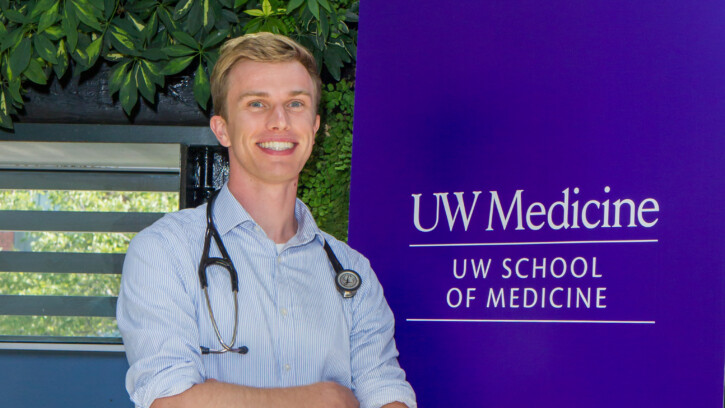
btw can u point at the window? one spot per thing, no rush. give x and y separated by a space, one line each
68 210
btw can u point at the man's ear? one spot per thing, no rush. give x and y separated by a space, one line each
317 123
219 126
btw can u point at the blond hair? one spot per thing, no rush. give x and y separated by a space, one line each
260 47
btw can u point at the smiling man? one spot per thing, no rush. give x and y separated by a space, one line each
304 323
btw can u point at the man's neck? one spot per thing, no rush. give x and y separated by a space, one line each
272 207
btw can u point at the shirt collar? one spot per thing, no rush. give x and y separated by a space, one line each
229 213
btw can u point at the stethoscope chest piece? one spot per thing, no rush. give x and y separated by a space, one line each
347 282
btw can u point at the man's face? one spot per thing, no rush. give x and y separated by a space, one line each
270 122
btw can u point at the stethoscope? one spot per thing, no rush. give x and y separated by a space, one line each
347 281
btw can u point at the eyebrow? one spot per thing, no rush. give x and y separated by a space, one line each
254 94
300 92
262 94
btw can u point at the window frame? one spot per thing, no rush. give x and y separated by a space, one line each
203 167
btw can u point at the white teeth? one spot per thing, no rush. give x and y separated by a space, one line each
277 146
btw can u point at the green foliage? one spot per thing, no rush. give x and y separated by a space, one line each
325 180
146 41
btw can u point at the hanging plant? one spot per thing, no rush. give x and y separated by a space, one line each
146 41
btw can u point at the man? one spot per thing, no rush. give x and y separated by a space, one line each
299 342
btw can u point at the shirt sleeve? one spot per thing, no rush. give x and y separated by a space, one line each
376 375
156 317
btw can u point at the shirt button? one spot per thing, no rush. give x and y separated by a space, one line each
287 367
284 311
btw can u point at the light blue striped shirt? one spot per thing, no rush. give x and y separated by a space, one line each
298 328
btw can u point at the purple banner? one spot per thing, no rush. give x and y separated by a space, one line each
539 186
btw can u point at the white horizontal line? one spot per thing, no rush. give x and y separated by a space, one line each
63 346
533 321
612 241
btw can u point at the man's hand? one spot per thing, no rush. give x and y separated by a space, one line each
215 394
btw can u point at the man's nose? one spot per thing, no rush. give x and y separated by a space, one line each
278 119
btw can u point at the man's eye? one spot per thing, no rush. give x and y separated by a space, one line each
256 104
296 104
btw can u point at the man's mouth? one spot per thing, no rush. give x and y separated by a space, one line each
276 146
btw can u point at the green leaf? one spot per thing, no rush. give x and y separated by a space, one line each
324 24
239 3
255 12
128 94
333 62
211 59
34 72
228 17
216 20
142 6
108 9
12 39
182 7
113 56
342 27
5 120
166 18
293 5
145 86
153 71
19 58
69 22
126 24
193 21
48 18
266 8
253 26
41 6
326 5
80 56
14 90
201 87
207 16
122 40
116 76
15 16
55 32
89 7
185 39
314 8
351 17
152 27
45 48
281 26
139 25
4 105
214 38
226 3
177 50
85 15
154 54
98 4
177 65
94 50
62 58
